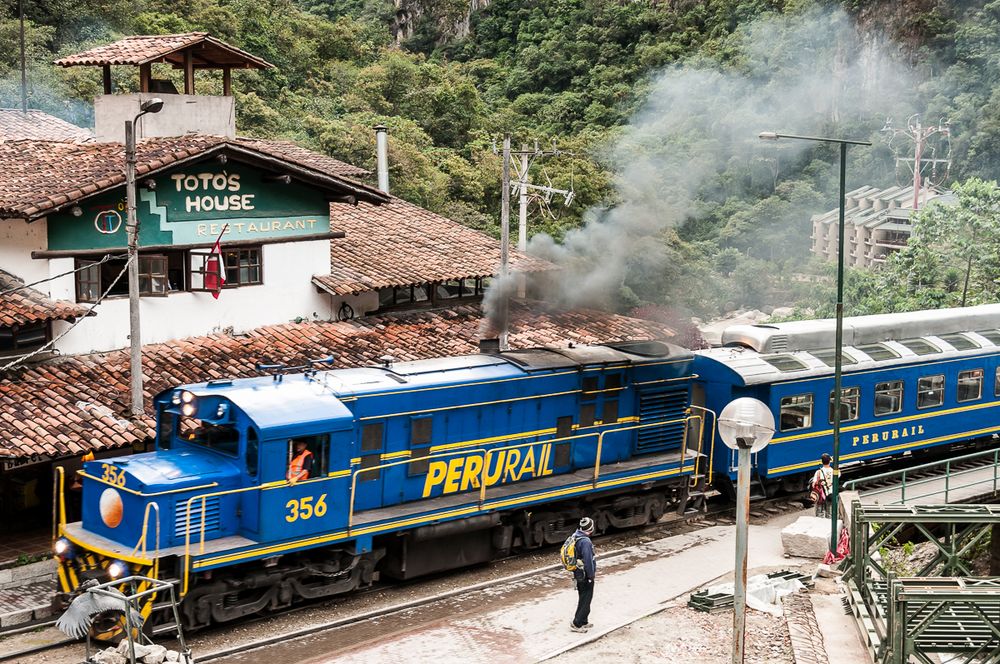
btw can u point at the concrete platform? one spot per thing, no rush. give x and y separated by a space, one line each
23 604
529 620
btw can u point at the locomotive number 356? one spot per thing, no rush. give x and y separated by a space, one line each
305 508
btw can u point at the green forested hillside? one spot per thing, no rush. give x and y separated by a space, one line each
659 103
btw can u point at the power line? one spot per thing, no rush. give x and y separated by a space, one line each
40 349
105 259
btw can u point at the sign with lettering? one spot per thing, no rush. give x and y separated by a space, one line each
191 206
462 473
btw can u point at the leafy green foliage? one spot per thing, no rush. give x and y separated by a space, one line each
449 82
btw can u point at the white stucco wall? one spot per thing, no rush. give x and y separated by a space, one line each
286 294
17 240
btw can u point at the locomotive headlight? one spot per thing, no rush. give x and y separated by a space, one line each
175 398
221 411
187 397
117 569
63 548
188 409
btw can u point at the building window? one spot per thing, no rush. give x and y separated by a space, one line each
850 397
94 278
970 384
153 275
243 267
22 338
930 391
889 397
401 296
796 412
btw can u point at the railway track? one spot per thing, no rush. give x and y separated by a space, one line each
717 513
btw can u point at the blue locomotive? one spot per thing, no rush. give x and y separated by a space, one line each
911 382
265 491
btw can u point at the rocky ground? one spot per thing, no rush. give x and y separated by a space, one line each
684 635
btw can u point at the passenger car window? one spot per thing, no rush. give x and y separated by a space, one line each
888 397
878 352
996 384
850 397
796 412
930 391
970 384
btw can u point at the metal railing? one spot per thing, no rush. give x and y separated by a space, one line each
949 485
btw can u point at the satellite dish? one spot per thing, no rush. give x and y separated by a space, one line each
746 420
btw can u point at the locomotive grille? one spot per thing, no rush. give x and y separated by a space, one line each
212 518
658 406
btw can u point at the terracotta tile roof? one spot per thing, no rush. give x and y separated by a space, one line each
40 176
69 405
38 125
20 305
140 49
399 243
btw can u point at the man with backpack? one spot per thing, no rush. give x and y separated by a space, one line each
821 485
578 556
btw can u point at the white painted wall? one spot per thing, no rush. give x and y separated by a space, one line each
17 240
181 114
286 294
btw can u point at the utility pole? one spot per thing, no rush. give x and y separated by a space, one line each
132 228
522 214
24 62
503 313
921 135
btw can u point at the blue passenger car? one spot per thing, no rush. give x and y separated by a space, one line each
414 467
910 382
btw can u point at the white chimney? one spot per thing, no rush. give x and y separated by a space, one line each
382 156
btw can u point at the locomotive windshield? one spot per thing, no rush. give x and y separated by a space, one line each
224 438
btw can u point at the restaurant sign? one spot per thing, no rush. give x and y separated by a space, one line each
192 206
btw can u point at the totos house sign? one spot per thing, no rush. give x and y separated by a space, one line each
192 206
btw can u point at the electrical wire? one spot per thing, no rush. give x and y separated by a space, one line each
40 349
105 259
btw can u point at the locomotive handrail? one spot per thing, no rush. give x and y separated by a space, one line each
145 531
58 503
711 440
142 494
600 440
549 441
402 462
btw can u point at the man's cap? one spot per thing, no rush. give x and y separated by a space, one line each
587 524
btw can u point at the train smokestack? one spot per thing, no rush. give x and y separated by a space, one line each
489 346
382 157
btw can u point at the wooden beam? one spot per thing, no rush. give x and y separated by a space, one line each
145 74
188 73
107 79
227 81
67 253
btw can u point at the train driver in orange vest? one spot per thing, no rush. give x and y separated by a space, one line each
302 462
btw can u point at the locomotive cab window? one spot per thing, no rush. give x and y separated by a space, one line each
223 438
970 385
930 391
421 431
253 452
850 398
796 412
371 448
307 457
889 397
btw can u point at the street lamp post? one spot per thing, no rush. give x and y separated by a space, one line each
132 229
838 364
746 426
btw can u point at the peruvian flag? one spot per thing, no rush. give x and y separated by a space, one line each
215 267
